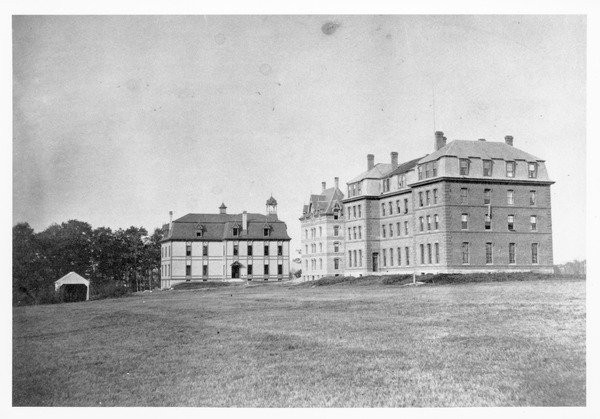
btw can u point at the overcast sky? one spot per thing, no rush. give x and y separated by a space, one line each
118 120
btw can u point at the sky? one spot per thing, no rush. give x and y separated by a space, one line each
119 119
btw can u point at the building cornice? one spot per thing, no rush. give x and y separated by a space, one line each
481 180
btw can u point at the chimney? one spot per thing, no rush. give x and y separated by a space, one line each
509 140
481 139
170 222
223 209
370 161
244 221
337 182
394 156
323 186
440 140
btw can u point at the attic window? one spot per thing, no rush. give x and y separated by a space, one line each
532 170
266 231
236 231
464 167
199 230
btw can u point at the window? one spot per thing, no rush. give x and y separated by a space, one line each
420 199
406 228
510 169
428 170
465 253
391 257
280 250
407 254
350 258
532 170
250 249
487 168
236 231
188 268
399 252
336 263
354 231
384 252
358 188
420 171
398 229
434 168
383 231
511 253
422 254
534 253
533 220
279 269
390 208
359 211
266 269
428 222
487 196
429 253
305 252
354 211
436 222
199 233
391 230
320 263
349 233
235 250
336 214
406 206
336 247
420 223
188 249
464 195
435 196
401 181
488 253
320 231
464 221
266 249
360 258
464 167
437 252
511 222
382 208
359 232
266 231
488 222
427 201
204 249
306 233
386 185
320 247
205 270
532 198
336 230
510 197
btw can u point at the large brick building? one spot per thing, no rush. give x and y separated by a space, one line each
470 206
202 247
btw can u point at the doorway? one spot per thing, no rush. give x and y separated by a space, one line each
235 270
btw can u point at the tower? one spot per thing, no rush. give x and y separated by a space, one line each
271 206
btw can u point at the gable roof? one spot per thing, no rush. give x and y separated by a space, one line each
483 149
323 202
71 278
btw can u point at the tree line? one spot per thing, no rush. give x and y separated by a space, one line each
116 262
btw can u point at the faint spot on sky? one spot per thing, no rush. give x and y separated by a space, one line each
265 69
329 27
220 39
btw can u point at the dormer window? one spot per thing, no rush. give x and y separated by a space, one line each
532 170
401 181
386 185
487 168
510 169
464 167
420 171
266 231
236 231
199 230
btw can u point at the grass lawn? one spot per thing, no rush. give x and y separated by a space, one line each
481 344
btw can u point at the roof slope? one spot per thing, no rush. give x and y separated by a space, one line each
405 167
71 278
218 227
482 149
378 171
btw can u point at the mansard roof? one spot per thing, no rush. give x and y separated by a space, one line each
218 227
483 149
406 167
379 171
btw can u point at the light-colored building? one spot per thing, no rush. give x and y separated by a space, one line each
226 247
469 206
322 242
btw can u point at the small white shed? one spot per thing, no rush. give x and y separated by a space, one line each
73 278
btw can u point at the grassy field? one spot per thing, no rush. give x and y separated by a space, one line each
483 344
